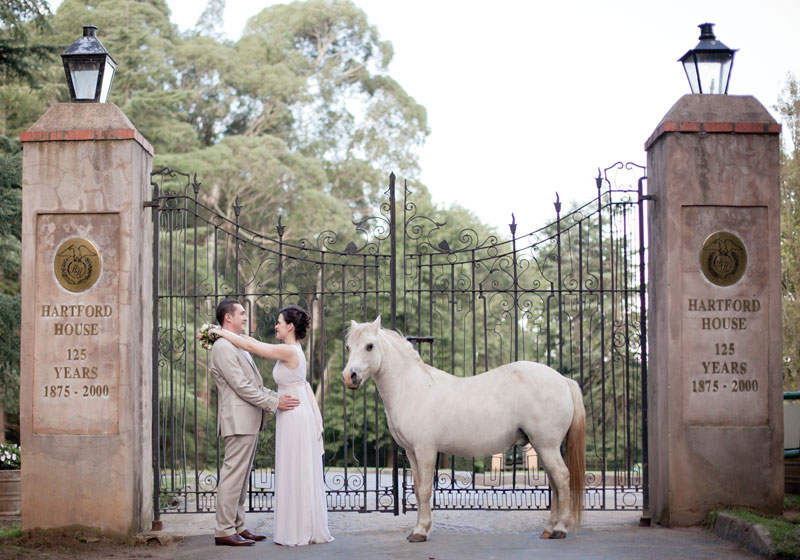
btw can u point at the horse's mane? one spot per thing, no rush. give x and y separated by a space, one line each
399 340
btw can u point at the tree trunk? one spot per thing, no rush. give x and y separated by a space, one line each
2 422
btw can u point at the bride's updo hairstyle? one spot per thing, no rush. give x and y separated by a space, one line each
298 317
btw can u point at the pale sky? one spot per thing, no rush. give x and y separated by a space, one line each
529 98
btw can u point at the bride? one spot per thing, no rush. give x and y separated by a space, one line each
301 512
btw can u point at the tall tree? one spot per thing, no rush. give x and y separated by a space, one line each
306 87
789 109
314 74
207 100
10 302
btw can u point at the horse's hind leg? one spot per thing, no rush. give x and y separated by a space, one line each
553 518
559 519
422 466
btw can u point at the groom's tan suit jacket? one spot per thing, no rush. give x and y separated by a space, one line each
242 397
242 400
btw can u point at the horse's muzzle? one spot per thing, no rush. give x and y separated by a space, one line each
351 379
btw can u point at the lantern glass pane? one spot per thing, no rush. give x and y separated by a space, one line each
713 69
691 74
108 77
84 77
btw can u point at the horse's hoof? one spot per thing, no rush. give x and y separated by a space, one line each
558 535
545 535
414 537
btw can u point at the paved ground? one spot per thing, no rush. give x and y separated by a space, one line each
458 535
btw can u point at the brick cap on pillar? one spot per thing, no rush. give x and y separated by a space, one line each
84 121
732 114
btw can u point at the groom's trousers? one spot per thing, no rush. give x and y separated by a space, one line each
240 451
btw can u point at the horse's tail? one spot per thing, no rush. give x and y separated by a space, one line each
576 454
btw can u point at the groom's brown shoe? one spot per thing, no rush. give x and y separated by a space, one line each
252 536
233 540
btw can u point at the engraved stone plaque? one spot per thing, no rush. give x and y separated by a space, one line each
76 325
724 316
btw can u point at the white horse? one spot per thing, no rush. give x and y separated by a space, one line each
430 411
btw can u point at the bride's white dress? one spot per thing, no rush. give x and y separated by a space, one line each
301 512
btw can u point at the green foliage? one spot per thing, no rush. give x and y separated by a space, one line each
19 57
789 109
13 531
791 502
9 341
270 181
25 52
10 301
10 221
207 100
15 15
21 103
298 114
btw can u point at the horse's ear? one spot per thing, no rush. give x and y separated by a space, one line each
377 322
353 324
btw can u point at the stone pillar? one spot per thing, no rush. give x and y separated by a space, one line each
86 373
715 383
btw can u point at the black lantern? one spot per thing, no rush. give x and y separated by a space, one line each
708 65
89 67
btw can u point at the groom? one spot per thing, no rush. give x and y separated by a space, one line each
242 399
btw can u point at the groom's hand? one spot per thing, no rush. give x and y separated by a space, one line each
287 402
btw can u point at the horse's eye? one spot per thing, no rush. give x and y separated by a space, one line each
347 349
369 347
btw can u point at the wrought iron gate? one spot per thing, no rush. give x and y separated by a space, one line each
571 295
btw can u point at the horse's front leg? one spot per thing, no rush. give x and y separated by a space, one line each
422 465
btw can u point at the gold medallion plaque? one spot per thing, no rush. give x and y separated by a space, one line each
77 264
723 258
